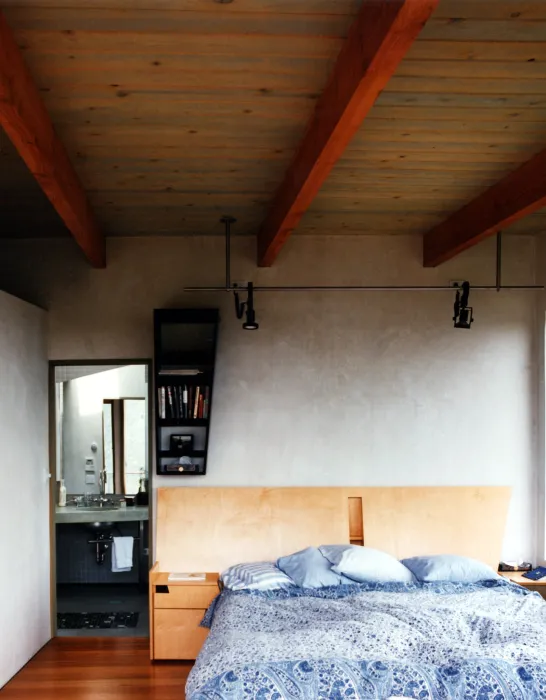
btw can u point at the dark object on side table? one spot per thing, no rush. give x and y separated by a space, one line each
513 566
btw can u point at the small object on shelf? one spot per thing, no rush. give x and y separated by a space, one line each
185 464
183 444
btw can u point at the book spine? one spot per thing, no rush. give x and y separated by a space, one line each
162 409
206 403
176 405
185 401
171 405
201 404
196 404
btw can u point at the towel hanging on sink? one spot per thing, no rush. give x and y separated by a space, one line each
122 554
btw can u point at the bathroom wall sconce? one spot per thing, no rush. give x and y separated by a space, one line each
463 313
246 307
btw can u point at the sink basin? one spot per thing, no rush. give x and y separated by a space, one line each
99 527
97 509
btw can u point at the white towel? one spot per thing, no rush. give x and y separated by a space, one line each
122 554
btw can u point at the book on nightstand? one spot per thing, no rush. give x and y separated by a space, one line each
187 577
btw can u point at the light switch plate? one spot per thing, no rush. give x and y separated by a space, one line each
89 478
89 461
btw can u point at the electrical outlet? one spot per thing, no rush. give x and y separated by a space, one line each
456 284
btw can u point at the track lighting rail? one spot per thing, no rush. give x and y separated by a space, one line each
229 287
368 288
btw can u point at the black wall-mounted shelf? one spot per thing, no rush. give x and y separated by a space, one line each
185 355
193 423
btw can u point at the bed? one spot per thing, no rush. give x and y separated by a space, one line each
437 640
434 640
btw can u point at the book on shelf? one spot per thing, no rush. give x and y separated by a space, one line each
196 403
170 400
161 409
206 403
183 402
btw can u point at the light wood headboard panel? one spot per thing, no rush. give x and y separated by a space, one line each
209 529
406 522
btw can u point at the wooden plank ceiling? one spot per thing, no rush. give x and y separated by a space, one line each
175 112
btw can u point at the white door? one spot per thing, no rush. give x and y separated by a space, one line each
24 502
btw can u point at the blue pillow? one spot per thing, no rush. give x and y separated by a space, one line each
259 575
310 569
449 567
364 564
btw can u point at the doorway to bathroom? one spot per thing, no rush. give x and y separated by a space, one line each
102 451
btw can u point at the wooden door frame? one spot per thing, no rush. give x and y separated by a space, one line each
53 364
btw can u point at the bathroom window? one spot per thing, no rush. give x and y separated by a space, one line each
108 443
124 442
134 443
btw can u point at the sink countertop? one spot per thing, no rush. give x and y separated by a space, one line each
72 514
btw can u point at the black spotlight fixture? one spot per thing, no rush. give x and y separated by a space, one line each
242 307
463 316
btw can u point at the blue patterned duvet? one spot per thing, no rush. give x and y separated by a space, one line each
461 641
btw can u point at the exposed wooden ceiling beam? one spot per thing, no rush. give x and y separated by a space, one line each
378 40
521 192
26 121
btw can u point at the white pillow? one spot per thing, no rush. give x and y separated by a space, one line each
449 567
364 564
259 576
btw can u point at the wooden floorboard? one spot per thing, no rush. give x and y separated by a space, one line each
97 669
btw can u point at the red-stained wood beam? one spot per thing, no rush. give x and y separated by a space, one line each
521 192
26 121
378 40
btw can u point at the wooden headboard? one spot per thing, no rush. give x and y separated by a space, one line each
209 529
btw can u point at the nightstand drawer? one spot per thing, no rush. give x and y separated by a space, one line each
177 634
186 597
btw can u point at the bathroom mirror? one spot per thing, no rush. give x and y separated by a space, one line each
102 423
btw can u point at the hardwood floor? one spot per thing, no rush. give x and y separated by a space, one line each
96 668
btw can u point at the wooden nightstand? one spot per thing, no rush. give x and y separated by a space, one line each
516 577
176 609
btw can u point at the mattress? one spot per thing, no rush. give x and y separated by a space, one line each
435 640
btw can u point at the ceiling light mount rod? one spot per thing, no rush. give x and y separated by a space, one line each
227 221
499 261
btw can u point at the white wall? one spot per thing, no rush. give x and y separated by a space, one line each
82 420
24 511
335 388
